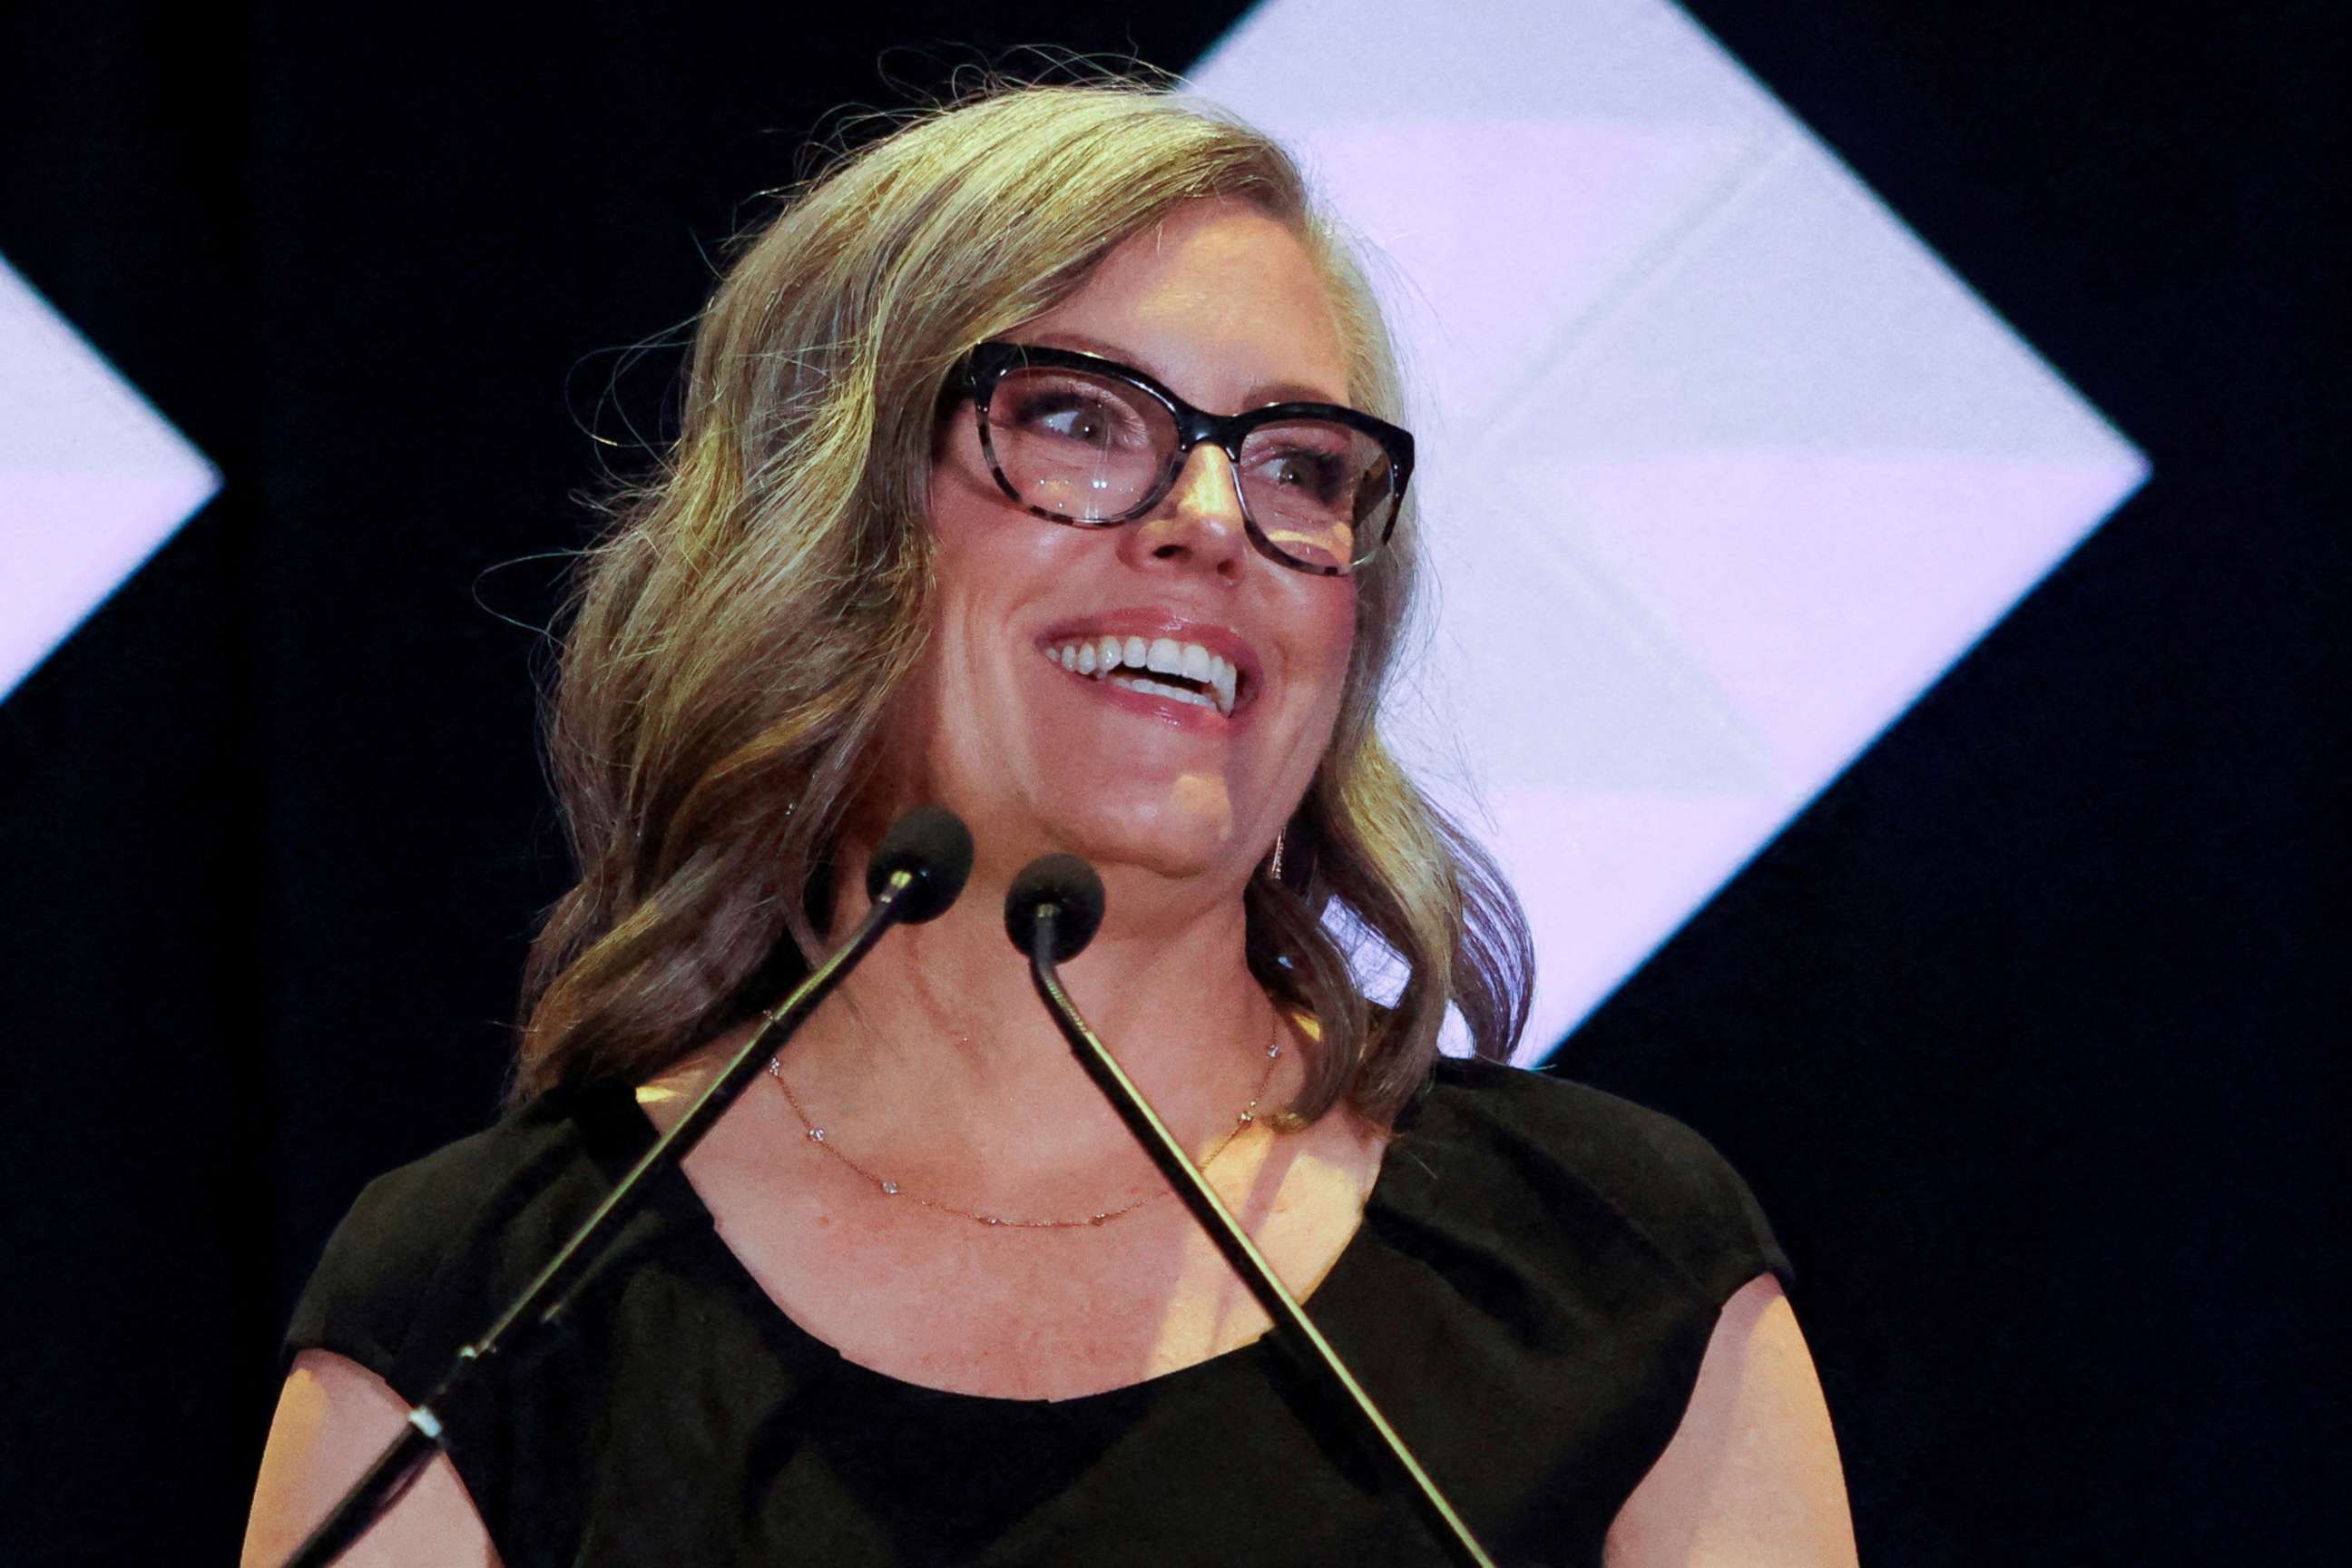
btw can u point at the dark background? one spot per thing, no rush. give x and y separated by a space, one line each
2016 1031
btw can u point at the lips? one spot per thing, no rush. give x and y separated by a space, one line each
1159 667
1161 657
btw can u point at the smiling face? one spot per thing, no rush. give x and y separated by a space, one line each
1019 720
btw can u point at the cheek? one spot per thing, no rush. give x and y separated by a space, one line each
955 501
987 547
1329 616
977 561
1322 652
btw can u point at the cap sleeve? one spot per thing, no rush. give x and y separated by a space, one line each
1671 1195
378 1267
1692 1203
414 1265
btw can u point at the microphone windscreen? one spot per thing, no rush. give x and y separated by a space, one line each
1067 886
931 845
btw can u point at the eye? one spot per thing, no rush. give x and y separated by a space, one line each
1307 471
1073 421
1068 408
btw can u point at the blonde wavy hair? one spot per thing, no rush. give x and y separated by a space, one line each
738 635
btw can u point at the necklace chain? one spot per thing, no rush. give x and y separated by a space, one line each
890 1188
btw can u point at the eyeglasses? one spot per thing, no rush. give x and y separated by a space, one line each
1079 440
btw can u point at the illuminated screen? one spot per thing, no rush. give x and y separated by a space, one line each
1721 467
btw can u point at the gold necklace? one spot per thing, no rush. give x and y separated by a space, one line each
890 1189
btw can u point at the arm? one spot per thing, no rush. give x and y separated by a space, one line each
1751 1478
333 1418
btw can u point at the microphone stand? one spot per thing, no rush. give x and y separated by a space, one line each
540 1305
1231 1239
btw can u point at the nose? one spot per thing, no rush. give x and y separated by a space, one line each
1199 521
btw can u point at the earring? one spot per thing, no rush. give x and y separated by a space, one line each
1275 870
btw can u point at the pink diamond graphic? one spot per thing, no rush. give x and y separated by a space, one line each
1723 467
92 479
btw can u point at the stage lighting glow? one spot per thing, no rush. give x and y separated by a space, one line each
92 479
1722 467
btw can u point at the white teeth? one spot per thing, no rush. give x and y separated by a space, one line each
1159 689
1165 656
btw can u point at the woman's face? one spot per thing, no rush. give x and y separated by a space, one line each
1222 305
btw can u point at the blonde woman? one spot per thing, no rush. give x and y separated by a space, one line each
1043 461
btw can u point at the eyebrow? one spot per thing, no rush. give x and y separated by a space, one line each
1258 396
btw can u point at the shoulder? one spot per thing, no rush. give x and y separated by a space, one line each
1752 1472
462 1220
1579 1155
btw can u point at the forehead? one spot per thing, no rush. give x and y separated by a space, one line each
1220 300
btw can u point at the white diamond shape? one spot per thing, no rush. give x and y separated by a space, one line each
92 479
1722 467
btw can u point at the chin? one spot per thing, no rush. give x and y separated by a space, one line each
1177 863
1180 835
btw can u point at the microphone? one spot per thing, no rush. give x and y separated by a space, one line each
917 872
1052 912
921 865
1059 894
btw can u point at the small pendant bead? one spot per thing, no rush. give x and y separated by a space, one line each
890 1188
816 1134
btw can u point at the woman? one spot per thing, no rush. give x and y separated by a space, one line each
946 523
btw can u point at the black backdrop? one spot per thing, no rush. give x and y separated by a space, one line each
2015 1031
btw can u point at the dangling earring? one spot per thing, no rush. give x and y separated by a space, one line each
1275 870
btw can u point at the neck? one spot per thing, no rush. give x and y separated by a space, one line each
938 1051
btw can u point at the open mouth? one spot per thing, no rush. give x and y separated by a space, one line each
1159 667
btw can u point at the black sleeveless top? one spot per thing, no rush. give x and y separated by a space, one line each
1537 1275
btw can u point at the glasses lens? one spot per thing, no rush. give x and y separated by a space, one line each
1083 447
1320 491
